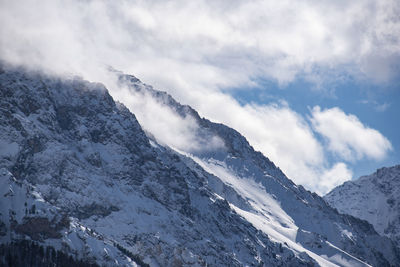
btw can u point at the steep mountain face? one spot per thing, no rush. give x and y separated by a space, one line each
274 204
78 173
374 198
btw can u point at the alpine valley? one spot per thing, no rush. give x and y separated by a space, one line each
84 181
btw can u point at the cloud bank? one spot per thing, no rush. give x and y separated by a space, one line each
194 50
229 42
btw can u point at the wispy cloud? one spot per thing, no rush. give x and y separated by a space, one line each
380 107
164 123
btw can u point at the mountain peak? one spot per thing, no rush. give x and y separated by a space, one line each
67 148
374 198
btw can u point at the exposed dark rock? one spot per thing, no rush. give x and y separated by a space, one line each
40 228
94 209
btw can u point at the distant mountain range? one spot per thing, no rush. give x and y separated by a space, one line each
374 198
79 175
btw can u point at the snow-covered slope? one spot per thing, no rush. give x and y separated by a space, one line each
81 159
78 172
375 198
275 205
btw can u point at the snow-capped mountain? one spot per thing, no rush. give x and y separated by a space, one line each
278 207
78 173
374 198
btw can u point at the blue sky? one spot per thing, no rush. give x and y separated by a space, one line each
312 84
375 104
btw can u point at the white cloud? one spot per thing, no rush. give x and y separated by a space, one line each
232 41
195 49
276 130
347 136
284 136
333 177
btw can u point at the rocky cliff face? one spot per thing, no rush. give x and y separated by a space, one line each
374 198
78 172
274 204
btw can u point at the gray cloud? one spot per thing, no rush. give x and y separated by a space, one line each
232 42
195 49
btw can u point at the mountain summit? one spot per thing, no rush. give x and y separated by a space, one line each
79 174
374 198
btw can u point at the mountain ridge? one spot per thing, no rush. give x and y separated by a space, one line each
231 158
89 157
80 152
374 198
